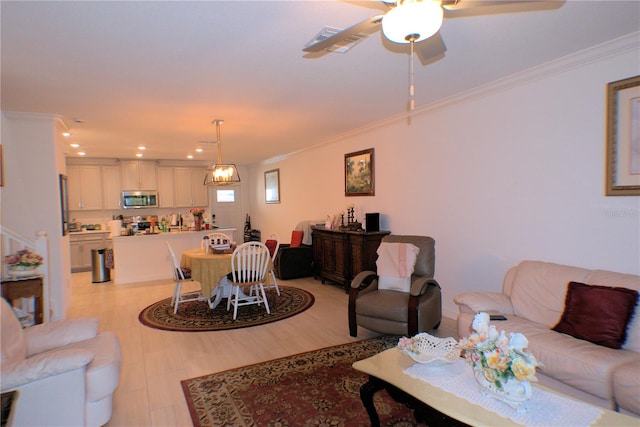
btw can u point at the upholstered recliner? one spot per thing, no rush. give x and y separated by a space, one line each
65 371
394 311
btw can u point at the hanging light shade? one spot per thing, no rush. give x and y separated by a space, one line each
219 173
412 19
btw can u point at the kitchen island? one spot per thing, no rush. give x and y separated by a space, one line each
145 257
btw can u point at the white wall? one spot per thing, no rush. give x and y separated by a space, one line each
510 171
33 158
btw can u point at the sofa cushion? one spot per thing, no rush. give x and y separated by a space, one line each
13 343
578 363
597 313
539 289
630 281
296 238
271 245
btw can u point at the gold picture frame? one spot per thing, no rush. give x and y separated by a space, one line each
272 186
623 138
359 174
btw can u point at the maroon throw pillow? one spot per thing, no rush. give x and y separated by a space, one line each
271 245
296 238
597 313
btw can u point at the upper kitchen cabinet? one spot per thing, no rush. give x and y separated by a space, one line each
111 187
189 190
85 187
166 192
139 175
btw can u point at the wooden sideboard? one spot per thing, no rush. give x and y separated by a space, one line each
340 255
14 289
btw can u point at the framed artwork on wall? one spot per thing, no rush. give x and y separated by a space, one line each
359 173
272 186
623 138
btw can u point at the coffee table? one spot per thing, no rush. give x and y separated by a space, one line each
433 404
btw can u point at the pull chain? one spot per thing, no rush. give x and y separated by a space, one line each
412 102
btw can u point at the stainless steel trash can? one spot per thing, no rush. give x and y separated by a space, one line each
99 271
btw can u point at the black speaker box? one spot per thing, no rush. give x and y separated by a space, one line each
372 221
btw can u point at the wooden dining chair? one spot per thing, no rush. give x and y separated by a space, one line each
249 264
273 244
181 275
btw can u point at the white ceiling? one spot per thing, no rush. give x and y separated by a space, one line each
157 73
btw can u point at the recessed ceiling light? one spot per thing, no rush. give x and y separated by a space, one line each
139 154
74 145
190 156
66 134
142 147
199 150
81 153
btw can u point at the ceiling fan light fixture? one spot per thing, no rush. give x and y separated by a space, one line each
219 173
412 19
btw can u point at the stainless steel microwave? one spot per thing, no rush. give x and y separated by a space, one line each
139 199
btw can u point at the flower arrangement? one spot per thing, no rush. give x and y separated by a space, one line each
498 355
24 258
197 211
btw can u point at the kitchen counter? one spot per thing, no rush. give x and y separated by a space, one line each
145 257
77 233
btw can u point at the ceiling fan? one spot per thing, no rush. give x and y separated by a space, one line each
414 22
407 21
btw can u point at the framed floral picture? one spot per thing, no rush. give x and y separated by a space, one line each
623 138
359 173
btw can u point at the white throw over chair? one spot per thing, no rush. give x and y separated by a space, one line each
273 244
249 264
180 275
65 372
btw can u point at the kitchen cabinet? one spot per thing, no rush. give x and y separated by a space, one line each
189 190
111 187
84 186
138 175
81 245
340 255
166 187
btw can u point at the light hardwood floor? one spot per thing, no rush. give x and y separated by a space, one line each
154 361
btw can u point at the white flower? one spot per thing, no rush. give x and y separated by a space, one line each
518 342
481 323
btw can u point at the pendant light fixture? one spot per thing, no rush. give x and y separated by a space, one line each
412 21
219 173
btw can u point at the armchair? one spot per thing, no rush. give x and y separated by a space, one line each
65 371
294 260
394 311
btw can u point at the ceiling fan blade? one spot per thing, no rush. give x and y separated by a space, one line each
367 26
467 4
431 49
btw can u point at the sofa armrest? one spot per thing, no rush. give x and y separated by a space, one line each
48 336
474 302
44 365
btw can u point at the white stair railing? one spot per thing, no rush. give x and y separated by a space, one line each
12 242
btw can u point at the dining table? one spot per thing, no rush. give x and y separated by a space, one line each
211 269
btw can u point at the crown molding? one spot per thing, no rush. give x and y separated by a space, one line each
581 58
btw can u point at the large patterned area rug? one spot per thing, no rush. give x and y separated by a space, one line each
318 388
196 316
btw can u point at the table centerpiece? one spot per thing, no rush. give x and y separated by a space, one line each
501 364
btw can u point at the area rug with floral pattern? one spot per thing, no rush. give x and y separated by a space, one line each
317 388
196 316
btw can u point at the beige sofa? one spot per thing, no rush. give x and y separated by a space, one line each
533 301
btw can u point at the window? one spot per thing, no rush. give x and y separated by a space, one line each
225 196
